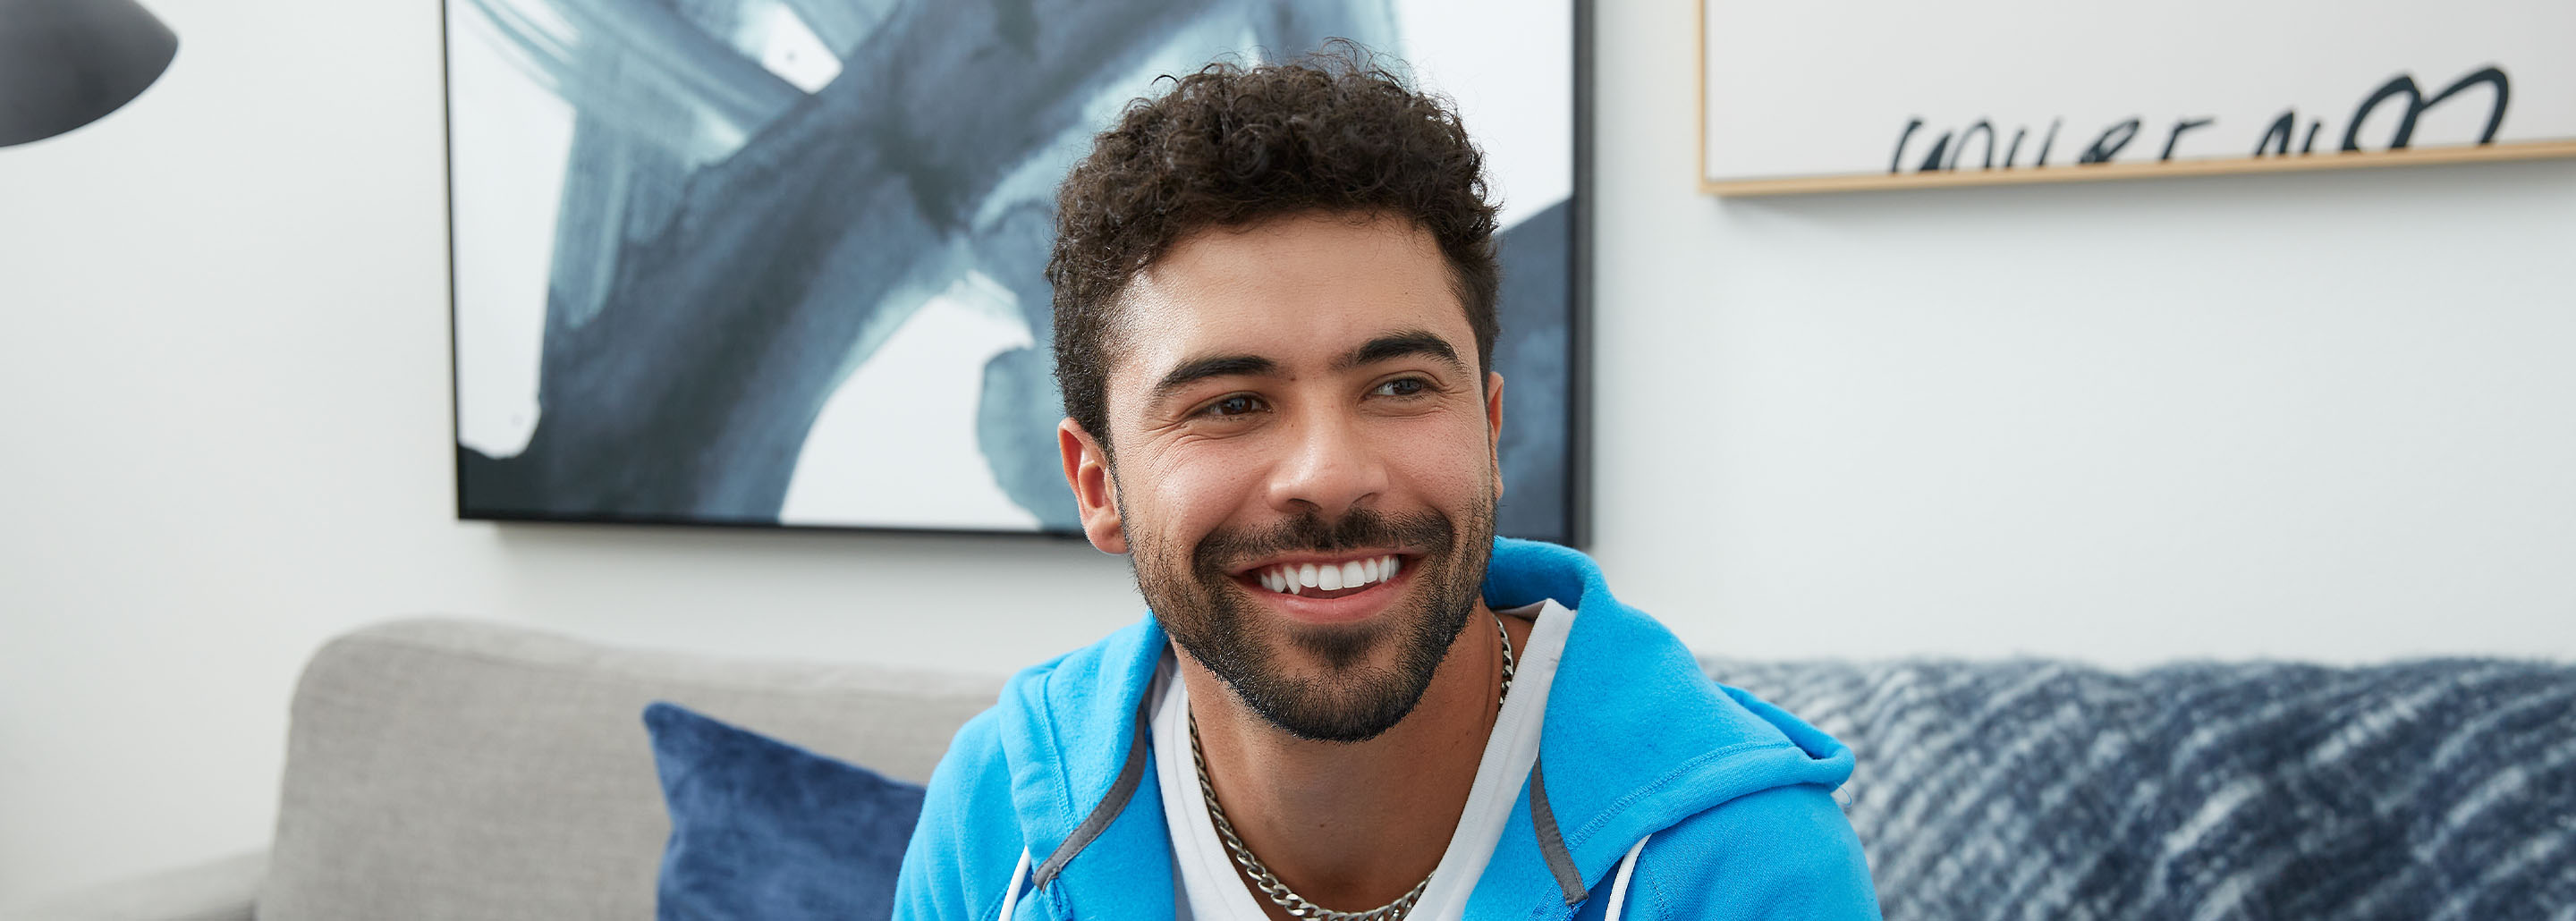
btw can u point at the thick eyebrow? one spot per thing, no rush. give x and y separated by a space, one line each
1197 370
1402 344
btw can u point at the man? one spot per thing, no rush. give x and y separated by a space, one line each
1275 318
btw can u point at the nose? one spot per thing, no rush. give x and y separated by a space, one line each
1329 466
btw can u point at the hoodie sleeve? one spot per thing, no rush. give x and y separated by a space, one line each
1783 853
967 842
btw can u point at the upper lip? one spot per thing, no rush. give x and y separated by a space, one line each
1319 558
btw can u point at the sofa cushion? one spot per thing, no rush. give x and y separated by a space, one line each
2029 789
762 830
460 769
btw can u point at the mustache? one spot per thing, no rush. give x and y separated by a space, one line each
1361 527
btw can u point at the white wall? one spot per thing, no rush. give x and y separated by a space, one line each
2319 416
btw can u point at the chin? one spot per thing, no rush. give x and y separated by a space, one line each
1334 682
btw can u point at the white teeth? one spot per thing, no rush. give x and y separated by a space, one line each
1296 578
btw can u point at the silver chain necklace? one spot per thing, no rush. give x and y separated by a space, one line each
1268 882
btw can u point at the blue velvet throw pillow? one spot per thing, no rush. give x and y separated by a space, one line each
761 829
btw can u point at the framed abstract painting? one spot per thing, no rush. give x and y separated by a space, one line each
780 262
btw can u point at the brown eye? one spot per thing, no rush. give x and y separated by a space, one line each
1236 405
1403 387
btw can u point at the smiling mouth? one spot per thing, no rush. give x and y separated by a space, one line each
1327 578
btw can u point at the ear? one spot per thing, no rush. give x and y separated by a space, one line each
1494 426
1095 495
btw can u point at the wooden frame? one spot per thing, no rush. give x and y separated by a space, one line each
1861 182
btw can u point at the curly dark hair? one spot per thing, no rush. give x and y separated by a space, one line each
1229 146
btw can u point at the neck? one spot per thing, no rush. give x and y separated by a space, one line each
1300 805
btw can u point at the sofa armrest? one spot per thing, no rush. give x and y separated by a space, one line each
217 890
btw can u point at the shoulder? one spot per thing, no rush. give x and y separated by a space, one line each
1056 728
974 755
967 840
1782 853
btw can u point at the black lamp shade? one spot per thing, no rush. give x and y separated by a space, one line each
66 63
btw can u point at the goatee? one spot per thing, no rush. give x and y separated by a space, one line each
1353 697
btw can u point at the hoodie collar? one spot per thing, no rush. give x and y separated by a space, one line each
1089 813
1637 737
1073 742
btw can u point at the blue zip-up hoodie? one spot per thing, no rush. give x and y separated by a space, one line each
1048 800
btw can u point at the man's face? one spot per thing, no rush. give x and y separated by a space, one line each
1300 396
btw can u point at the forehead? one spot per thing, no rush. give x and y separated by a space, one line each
1298 290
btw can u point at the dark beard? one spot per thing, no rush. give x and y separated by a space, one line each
1214 617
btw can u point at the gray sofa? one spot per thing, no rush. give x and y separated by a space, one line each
453 769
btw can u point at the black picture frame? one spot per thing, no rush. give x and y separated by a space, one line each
617 484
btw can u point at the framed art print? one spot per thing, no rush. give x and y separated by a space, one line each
1886 94
780 262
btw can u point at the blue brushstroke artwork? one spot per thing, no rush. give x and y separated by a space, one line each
779 262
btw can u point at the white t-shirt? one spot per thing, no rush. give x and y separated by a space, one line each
1212 889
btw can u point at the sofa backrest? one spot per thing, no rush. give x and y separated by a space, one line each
443 768
459 769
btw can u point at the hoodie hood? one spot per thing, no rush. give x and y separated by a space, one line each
1636 740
